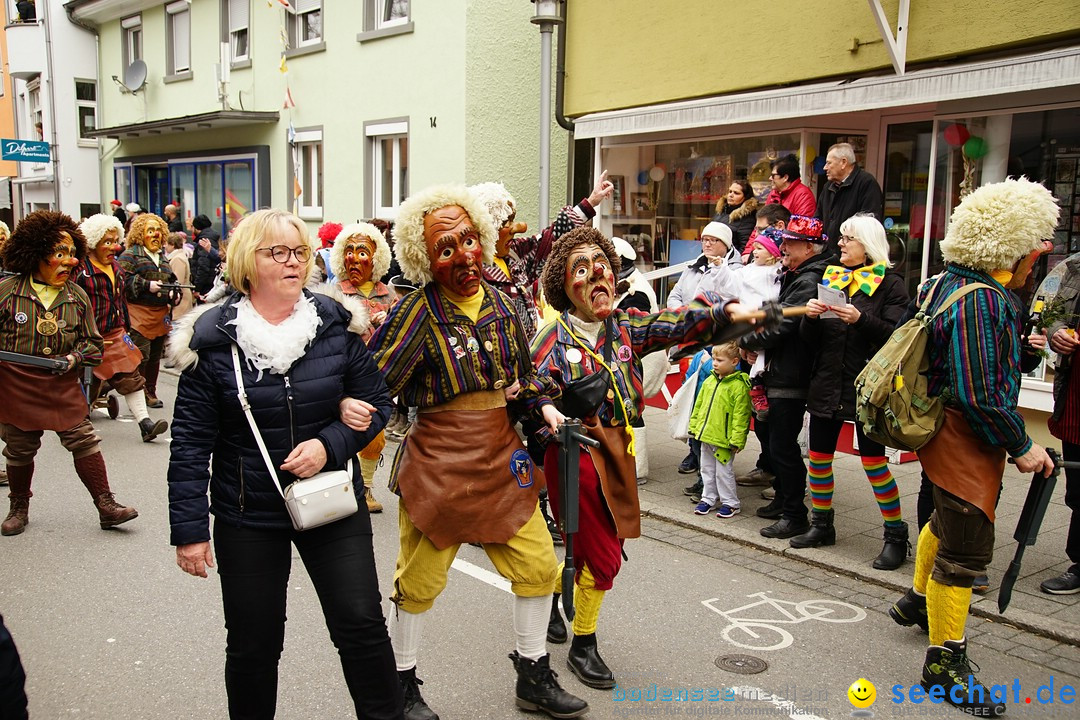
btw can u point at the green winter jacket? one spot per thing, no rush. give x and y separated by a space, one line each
721 415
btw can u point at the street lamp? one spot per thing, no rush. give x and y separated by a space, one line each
546 15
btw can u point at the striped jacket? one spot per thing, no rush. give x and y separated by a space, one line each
106 296
139 270
975 357
20 310
638 334
430 352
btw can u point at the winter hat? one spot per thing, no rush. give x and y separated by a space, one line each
133 207
116 203
809 229
718 230
327 232
624 249
497 199
94 228
769 238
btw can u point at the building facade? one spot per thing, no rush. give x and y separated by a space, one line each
935 97
336 110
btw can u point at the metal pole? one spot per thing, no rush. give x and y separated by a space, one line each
545 121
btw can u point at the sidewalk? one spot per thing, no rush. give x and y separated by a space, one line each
859 531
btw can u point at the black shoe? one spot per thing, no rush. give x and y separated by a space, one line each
556 632
689 465
152 428
949 667
910 610
1067 583
896 549
772 511
585 662
415 707
694 489
821 531
538 689
785 528
153 402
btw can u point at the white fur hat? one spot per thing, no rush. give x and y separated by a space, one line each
410 249
497 199
999 223
94 228
379 264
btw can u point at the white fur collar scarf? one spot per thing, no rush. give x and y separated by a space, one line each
275 347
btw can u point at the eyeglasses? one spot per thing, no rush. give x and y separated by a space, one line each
774 175
845 239
710 241
281 253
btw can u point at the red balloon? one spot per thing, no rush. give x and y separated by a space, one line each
956 135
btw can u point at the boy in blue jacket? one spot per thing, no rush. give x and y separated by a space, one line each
721 422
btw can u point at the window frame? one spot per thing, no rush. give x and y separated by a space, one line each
131 29
375 132
310 177
232 33
81 104
173 11
375 27
294 21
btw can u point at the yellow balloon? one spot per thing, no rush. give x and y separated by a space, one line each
811 153
862 693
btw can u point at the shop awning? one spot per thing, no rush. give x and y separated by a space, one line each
187 123
1056 68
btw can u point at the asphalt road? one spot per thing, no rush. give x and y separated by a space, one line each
109 627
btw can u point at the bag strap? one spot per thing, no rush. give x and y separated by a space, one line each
960 292
241 393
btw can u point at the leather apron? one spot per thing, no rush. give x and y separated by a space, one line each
960 462
618 475
150 321
120 356
463 474
36 399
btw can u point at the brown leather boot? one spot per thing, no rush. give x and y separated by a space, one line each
112 513
373 505
18 517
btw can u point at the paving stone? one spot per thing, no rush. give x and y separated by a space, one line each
1072 667
1027 653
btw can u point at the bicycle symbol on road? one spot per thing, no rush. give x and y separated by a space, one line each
764 633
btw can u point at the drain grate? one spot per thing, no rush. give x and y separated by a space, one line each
741 664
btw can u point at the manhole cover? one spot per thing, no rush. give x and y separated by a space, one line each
741 664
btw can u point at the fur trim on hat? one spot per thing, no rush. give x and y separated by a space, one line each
381 261
141 224
553 278
497 199
410 249
34 239
999 223
94 228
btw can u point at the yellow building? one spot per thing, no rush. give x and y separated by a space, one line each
678 99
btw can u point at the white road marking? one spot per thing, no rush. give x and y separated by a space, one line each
481 574
787 707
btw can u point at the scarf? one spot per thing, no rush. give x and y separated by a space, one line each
867 278
275 347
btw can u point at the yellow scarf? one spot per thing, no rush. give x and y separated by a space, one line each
867 278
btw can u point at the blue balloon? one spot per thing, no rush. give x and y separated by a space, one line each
819 165
643 177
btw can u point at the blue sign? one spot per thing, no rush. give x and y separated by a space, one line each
24 150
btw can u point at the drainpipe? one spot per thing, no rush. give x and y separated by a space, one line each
564 122
45 20
94 30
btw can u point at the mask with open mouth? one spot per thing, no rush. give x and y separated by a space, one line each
453 246
359 259
590 282
55 269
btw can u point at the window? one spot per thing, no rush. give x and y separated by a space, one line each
178 33
308 169
305 23
388 144
391 13
86 107
238 29
132 29
33 108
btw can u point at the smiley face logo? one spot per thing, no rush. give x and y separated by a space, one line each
862 693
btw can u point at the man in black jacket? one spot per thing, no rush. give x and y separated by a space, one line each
788 375
849 190
205 260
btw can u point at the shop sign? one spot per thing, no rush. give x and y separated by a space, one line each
24 150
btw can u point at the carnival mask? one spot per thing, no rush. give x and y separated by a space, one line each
56 267
153 237
107 248
359 259
453 246
507 232
590 282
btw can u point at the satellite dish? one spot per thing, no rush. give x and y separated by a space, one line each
135 76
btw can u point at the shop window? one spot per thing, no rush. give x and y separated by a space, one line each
305 23
182 182
131 27
238 29
178 33
308 188
86 107
388 145
239 191
904 185
122 183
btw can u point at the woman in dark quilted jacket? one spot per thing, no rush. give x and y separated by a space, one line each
303 362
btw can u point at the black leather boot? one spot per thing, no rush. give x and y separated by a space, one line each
949 667
896 550
910 610
585 662
556 632
150 429
538 689
785 528
415 707
821 531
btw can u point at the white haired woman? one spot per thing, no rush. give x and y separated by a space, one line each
843 343
300 357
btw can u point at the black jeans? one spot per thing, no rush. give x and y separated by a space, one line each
785 424
254 568
764 460
1072 500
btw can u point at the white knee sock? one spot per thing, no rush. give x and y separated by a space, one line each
136 403
530 625
405 631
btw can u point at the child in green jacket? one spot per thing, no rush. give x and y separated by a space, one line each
721 421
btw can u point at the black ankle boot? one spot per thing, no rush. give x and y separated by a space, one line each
785 528
910 610
950 667
556 632
821 531
896 550
415 707
585 662
538 689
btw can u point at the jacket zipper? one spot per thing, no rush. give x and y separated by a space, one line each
292 422
240 464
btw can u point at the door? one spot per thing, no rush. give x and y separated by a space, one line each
904 185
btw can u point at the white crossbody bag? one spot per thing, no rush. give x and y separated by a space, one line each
311 502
